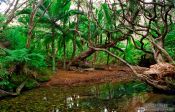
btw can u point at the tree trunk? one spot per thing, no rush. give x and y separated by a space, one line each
53 49
77 25
74 48
89 52
64 55
32 22
31 25
161 51
108 39
95 54
157 54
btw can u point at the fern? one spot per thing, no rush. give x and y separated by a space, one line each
16 36
132 55
24 56
4 79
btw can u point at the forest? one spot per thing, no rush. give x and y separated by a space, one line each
86 43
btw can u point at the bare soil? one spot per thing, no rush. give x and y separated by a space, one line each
112 74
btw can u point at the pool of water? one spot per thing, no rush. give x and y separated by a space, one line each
108 97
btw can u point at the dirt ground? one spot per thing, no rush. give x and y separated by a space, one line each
114 74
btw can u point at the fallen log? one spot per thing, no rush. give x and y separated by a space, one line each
18 90
161 76
91 50
161 70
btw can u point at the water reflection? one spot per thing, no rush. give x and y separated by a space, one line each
72 101
126 97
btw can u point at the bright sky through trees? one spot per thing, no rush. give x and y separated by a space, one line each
3 5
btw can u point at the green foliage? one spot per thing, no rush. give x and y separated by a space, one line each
58 30
16 36
31 84
17 78
123 89
4 79
131 88
44 74
170 41
132 55
2 20
107 16
23 56
133 7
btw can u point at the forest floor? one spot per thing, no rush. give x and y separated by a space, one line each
114 74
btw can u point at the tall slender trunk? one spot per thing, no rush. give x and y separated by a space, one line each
89 21
31 25
108 41
95 54
76 27
32 22
53 49
101 38
89 24
64 51
74 48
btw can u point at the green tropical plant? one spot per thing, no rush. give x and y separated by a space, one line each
55 22
23 56
21 62
170 41
132 55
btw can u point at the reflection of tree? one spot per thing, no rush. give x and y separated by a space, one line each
109 97
89 98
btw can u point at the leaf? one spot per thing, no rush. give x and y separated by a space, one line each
154 33
78 43
107 15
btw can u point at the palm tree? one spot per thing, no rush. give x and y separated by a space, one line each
51 19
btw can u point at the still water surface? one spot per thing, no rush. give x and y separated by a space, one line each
123 97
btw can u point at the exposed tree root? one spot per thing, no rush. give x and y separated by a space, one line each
161 76
156 76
